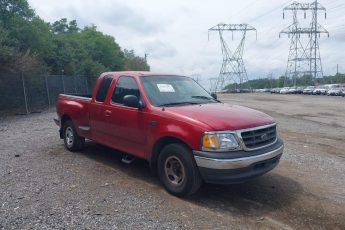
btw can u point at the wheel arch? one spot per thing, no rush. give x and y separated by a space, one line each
159 145
63 120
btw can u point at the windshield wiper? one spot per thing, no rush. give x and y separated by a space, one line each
206 98
203 97
179 103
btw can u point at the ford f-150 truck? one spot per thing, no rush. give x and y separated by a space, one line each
186 135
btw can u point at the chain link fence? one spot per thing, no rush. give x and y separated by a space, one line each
24 94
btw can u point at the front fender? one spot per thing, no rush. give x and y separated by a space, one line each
184 132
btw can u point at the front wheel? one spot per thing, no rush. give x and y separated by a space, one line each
178 171
72 141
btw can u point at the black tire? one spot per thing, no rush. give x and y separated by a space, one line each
72 141
169 160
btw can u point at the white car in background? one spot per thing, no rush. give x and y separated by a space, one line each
335 92
284 90
292 90
309 90
320 90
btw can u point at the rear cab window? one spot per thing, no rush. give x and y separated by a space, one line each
103 88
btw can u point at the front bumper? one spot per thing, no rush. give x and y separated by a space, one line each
239 166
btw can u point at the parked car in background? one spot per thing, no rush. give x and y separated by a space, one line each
300 89
275 90
320 90
335 92
292 90
309 90
262 90
333 86
284 90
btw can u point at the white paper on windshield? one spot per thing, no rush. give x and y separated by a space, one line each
166 88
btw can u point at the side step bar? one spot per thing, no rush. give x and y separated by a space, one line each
127 159
57 121
84 128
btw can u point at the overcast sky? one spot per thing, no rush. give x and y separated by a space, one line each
174 32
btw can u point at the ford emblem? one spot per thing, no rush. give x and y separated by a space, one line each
264 137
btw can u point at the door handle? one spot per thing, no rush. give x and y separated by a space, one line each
107 113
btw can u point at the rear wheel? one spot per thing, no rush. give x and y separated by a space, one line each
72 141
178 171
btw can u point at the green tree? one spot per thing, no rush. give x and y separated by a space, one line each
60 26
133 62
102 48
86 52
6 52
58 47
73 27
15 8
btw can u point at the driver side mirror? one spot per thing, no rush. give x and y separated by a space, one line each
214 95
133 101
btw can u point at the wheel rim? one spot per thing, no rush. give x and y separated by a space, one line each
69 137
174 170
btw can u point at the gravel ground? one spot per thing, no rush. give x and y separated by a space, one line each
45 186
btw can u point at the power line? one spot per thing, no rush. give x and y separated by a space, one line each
270 11
332 2
339 7
250 4
336 26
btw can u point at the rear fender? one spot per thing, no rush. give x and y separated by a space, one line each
76 111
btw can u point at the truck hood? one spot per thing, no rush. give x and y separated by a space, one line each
221 116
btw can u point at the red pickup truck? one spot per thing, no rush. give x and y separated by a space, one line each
187 135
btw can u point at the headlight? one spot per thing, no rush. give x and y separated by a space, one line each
219 141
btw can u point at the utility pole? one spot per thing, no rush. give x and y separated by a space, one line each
270 77
63 81
304 58
316 42
25 94
146 55
233 69
47 89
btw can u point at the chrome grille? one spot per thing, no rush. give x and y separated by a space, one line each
259 137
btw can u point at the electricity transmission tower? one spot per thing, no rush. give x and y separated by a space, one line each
213 84
270 78
233 69
304 54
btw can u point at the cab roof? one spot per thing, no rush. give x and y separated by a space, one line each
137 73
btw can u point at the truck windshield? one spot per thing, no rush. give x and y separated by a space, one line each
174 91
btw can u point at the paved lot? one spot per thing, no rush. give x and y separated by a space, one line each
44 186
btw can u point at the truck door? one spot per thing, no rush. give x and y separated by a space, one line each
127 126
98 123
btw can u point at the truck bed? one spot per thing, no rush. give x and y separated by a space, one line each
86 97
